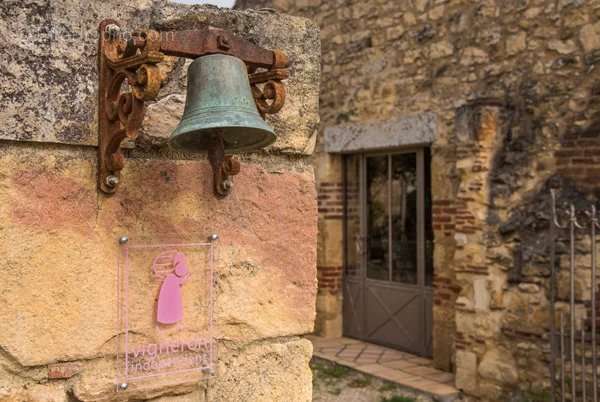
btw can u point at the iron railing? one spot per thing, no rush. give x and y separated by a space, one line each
572 356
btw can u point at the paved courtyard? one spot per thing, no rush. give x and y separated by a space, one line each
402 368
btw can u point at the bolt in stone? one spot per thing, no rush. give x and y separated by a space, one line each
112 181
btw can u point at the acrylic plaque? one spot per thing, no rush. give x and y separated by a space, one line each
165 309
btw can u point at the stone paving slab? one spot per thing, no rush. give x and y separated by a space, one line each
392 365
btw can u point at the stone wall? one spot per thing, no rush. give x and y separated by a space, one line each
514 86
58 237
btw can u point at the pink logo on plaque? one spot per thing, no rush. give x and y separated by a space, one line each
169 307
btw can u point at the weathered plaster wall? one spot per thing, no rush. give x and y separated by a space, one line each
514 88
58 234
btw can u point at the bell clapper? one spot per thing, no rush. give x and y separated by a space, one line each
223 166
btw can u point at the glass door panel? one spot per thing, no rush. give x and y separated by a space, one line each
377 217
404 218
353 238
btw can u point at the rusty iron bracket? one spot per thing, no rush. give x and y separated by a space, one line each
129 76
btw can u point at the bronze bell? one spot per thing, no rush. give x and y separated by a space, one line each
220 106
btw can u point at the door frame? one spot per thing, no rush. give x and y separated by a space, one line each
421 288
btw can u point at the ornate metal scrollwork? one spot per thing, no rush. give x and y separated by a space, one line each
122 66
270 96
223 166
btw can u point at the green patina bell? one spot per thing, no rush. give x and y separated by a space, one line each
220 103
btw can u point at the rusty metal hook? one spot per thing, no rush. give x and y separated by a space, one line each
223 166
572 213
554 211
592 214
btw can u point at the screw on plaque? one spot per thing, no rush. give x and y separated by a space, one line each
123 239
213 237
123 386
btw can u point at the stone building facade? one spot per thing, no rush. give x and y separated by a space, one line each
58 236
513 86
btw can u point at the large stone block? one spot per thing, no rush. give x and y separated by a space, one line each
49 77
58 242
498 364
266 372
411 130
48 68
260 371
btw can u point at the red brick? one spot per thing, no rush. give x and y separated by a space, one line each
592 152
587 143
571 171
593 172
442 202
568 153
63 370
582 161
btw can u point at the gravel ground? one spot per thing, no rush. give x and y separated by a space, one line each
334 383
